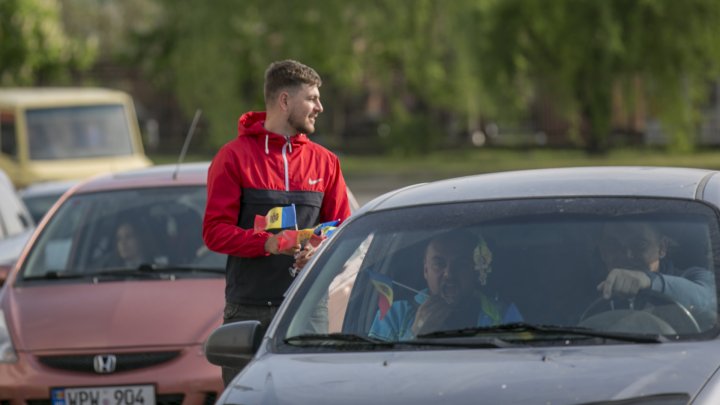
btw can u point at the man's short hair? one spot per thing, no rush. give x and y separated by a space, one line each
288 74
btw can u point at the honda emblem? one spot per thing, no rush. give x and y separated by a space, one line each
104 363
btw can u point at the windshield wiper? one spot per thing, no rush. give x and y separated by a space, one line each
55 275
322 339
325 339
143 271
188 269
561 332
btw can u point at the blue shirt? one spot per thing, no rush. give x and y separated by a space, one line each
397 322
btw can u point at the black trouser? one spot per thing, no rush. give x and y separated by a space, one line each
238 312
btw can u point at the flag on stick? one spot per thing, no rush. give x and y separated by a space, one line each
383 285
276 218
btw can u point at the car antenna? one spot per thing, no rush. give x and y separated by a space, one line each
188 137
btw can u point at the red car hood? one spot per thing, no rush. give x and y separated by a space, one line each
114 314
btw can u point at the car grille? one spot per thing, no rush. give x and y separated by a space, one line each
125 361
167 399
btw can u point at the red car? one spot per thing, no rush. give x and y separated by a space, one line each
114 295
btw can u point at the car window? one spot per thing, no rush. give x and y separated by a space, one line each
152 229
78 132
533 262
8 140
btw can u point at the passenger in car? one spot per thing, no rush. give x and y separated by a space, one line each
635 256
455 263
131 248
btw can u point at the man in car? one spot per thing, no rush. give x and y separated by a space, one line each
634 254
454 265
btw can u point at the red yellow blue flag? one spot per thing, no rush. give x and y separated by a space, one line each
276 218
383 285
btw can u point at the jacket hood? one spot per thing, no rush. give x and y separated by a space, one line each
253 124
120 314
628 374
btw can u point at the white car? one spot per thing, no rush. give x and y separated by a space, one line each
16 225
523 308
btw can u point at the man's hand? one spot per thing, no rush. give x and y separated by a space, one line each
303 256
625 282
431 315
272 246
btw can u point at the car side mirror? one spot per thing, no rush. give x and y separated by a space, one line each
234 344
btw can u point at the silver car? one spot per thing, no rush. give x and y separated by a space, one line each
553 286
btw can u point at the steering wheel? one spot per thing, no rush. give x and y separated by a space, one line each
662 306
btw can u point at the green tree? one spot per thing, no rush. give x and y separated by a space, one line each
415 57
34 47
577 50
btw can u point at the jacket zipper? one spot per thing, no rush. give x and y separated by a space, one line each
285 163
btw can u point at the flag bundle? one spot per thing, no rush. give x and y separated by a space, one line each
276 218
383 285
285 217
290 238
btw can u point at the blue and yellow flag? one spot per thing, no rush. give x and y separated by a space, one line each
276 218
326 229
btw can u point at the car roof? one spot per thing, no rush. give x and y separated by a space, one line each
684 183
47 188
49 96
153 176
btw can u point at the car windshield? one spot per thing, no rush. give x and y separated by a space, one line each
111 235
40 204
524 272
78 132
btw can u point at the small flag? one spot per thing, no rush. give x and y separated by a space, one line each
276 218
383 285
326 229
291 238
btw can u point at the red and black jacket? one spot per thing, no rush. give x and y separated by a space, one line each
250 175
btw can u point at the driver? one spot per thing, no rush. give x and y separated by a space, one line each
634 254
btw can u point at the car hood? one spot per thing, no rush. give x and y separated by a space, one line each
570 375
113 314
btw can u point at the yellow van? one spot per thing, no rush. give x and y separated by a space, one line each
67 133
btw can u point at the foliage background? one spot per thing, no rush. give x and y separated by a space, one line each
403 77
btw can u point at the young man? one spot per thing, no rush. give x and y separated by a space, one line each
271 163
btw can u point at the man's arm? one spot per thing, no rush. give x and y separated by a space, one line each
335 203
224 192
694 288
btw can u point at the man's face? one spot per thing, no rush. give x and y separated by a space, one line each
449 271
303 108
631 246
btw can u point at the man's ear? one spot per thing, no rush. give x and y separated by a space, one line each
284 100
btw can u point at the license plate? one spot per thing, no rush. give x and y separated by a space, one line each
120 395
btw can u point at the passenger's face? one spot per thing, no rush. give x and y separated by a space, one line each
303 108
631 246
449 271
128 245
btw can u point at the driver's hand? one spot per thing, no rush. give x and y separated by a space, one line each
623 282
